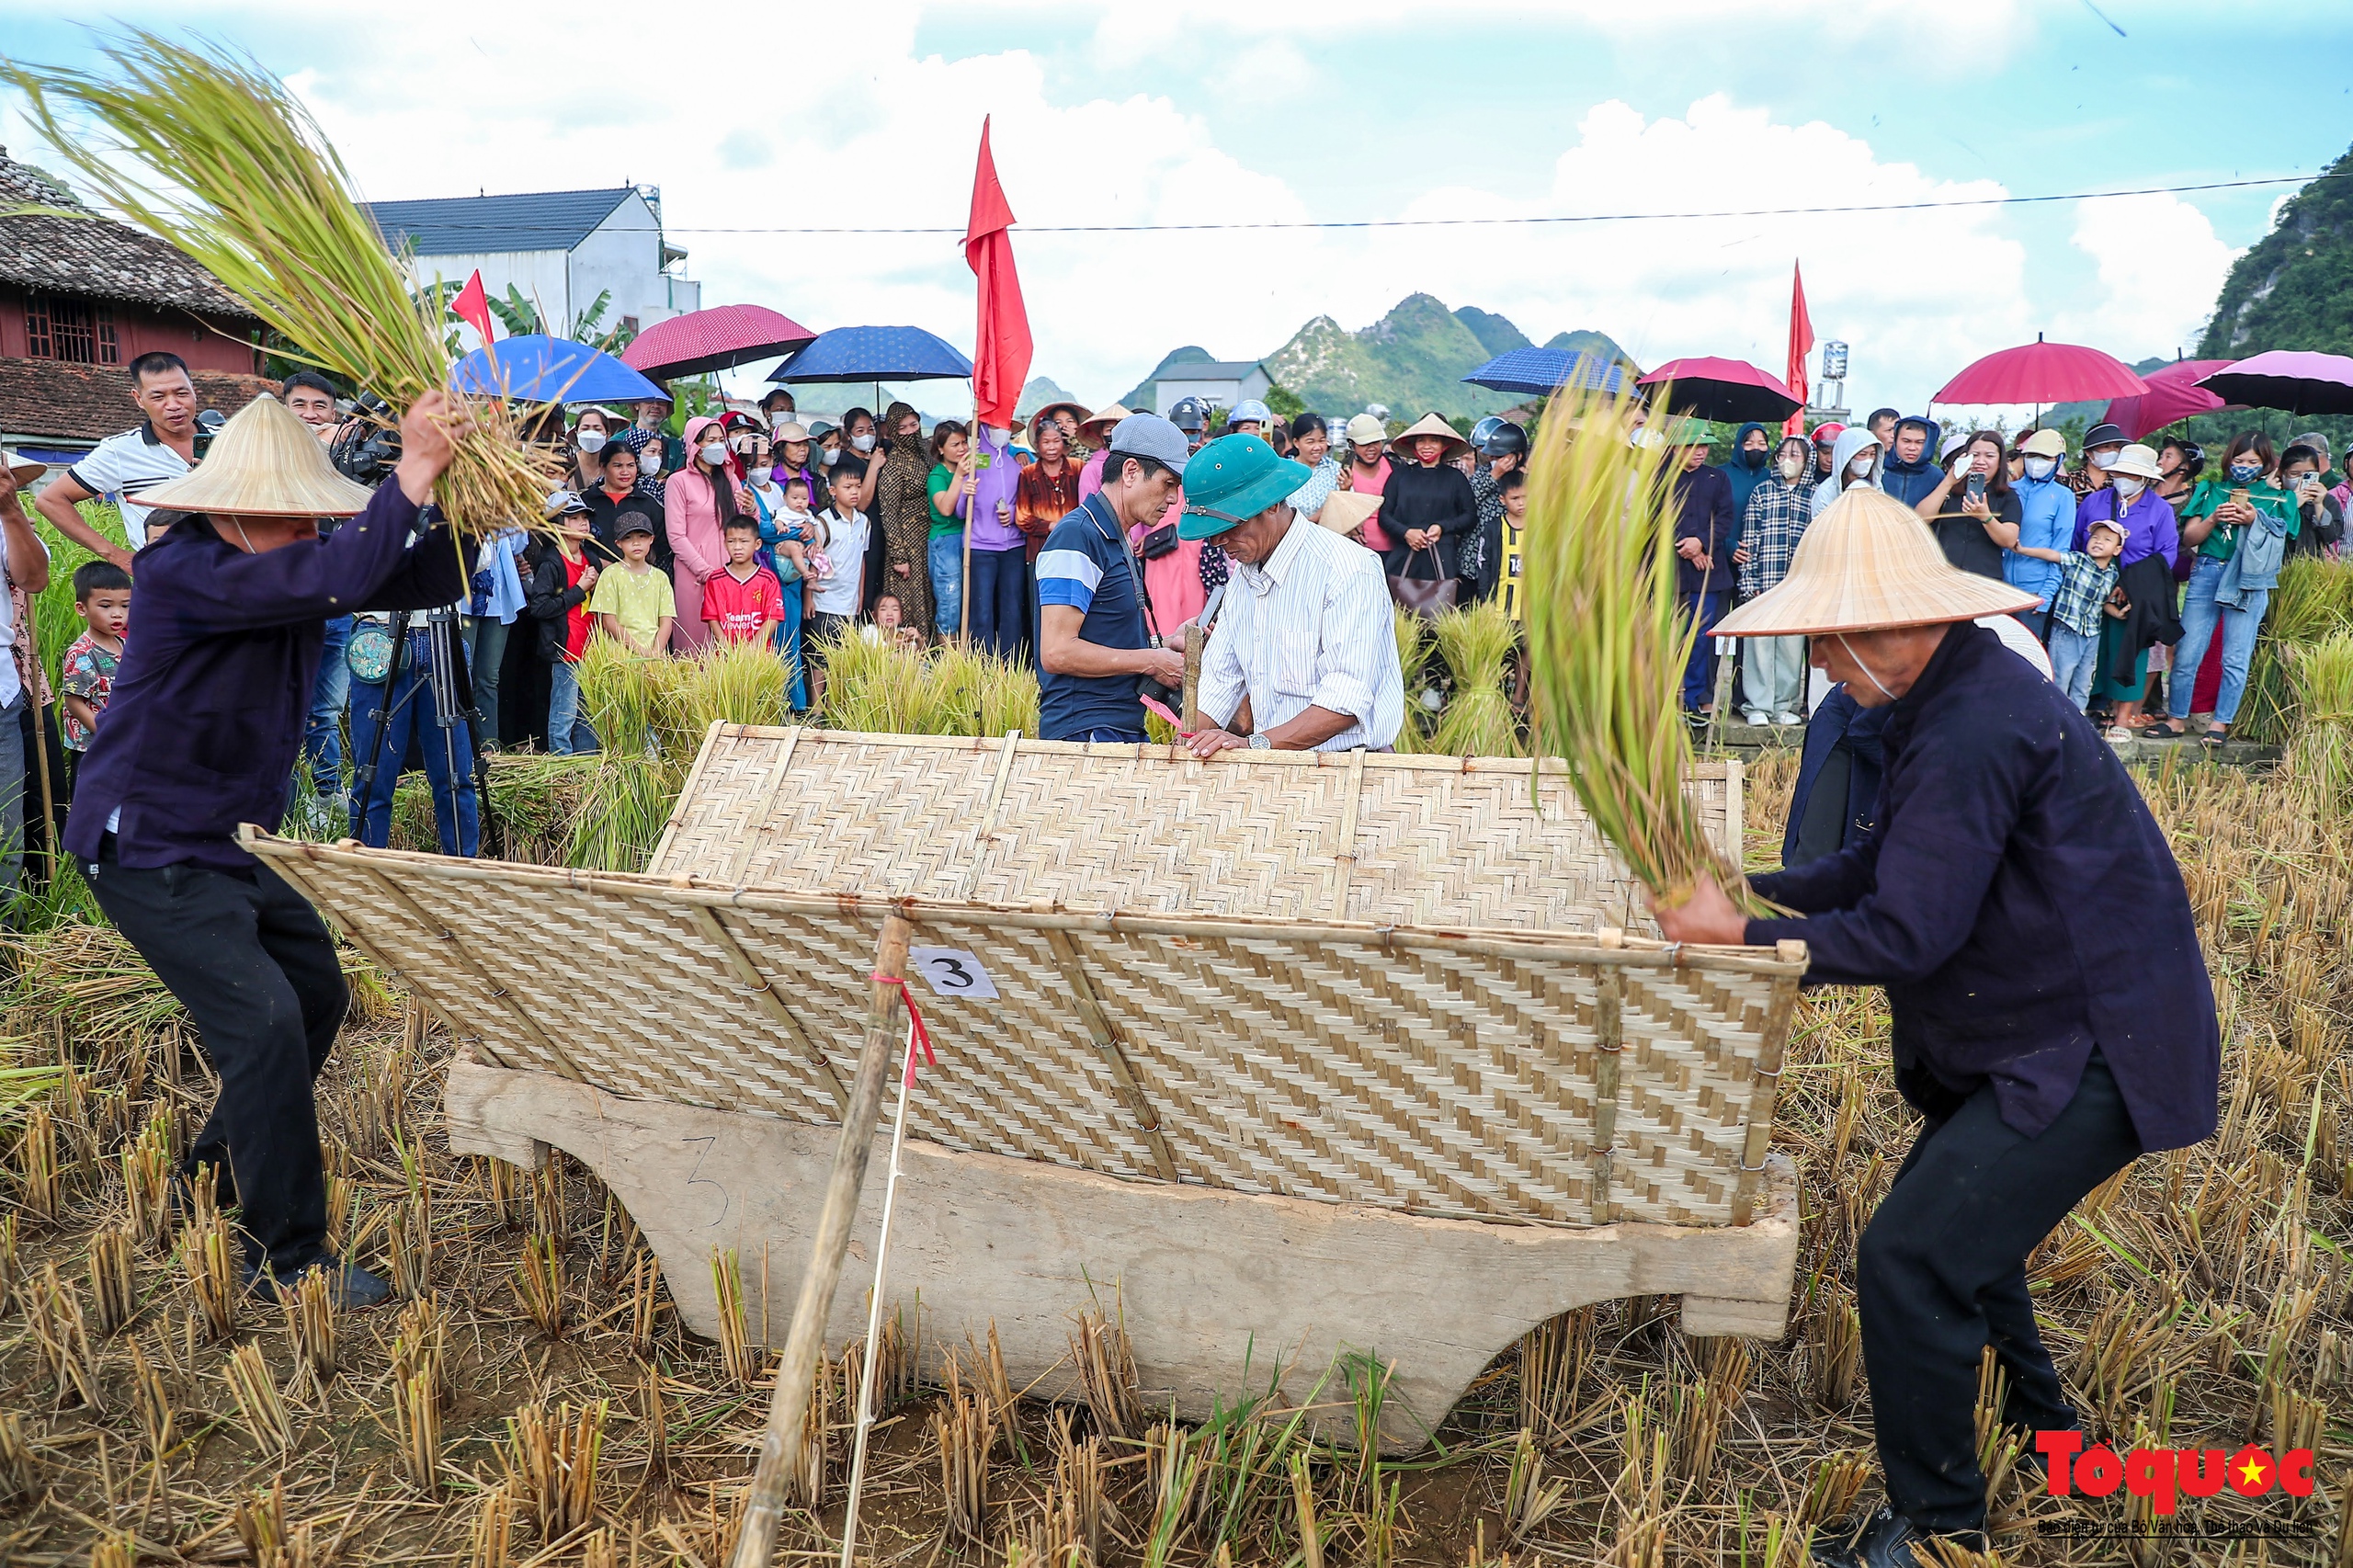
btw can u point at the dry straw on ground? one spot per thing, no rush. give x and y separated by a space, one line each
2199 1298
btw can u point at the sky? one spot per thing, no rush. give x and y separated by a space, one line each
869 117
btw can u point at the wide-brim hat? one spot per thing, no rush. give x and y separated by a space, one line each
1431 425
2103 435
791 430
1232 479
1108 418
22 468
264 463
1866 564
1079 415
1346 510
2139 460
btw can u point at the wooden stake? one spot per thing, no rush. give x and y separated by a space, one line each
789 1411
1189 704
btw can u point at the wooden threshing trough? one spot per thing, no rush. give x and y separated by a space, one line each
1297 1054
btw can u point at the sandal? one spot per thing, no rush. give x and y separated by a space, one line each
2163 730
2119 732
2217 738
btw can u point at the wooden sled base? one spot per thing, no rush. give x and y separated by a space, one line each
1220 1291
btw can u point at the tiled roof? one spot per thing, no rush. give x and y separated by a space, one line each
88 402
471 225
96 256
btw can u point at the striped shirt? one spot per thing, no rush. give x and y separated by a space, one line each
1310 628
123 466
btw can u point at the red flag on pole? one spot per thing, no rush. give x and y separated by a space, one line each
472 306
1800 345
1001 351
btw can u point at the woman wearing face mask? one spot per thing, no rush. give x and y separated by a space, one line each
902 518
862 441
1854 460
701 500
2241 523
2143 584
588 438
2046 521
2102 445
1779 508
1972 509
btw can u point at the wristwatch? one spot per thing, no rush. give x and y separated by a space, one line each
1260 743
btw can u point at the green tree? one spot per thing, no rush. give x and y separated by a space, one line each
2294 288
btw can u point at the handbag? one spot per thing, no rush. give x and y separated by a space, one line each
1425 596
369 652
1160 541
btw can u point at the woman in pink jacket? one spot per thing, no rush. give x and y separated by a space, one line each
701 497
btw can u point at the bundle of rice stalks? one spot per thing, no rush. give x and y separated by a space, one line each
731 683
1476 645
1413 655
211 154
2321 758
1608 645
2312 601
878 689
622 694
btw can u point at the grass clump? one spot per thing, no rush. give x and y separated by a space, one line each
2312 601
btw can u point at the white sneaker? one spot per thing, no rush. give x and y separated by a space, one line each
1788 719
1753 716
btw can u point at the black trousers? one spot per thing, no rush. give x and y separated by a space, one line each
253 965
1942 1273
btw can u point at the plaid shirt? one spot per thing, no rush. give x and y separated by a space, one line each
2084 586
1774 521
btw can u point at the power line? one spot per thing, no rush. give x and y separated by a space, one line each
1472 222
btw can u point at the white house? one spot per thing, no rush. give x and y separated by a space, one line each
560 249
1222 382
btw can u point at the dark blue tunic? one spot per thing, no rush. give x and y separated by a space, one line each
2021 905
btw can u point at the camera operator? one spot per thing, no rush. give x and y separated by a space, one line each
311 399
202 734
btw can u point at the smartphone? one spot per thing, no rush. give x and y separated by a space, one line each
2238 498
1977 487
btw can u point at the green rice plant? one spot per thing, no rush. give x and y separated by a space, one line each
209 152
623 693
1608 643
875 688
1476 645
1008 697
1413 656
2312 601
2321 755
728 683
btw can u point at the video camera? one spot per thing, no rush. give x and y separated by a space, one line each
368 445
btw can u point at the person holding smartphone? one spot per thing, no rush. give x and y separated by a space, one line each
1971 509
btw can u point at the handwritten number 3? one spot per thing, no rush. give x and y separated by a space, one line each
956 975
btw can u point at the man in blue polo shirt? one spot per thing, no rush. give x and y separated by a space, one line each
1095 639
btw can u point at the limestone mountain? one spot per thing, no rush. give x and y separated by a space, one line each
2293 288
1039 391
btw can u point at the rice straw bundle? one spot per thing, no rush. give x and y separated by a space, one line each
209 152
1476 645
1413 652
2320 757
1607 642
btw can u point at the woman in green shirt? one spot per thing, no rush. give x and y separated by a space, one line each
951 488
2240 525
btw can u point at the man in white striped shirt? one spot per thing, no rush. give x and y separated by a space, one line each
1303 656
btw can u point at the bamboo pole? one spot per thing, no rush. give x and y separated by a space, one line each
1191 704
788 1410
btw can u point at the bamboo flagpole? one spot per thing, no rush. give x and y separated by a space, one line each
795 1375
1001 346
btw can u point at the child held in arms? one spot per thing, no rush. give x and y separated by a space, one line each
795 527
633 600
743 601
2087 591
102 598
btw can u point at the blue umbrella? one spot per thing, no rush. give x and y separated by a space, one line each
1541 371
536 368
874 354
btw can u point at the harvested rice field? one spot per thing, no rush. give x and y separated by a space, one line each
535 1400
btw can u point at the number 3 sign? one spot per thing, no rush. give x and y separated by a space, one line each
952 972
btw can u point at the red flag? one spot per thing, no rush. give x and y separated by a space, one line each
472 306
1800 345
1001 351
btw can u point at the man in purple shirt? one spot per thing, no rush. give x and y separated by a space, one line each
2053 1016
202 733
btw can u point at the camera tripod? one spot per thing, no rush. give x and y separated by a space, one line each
452 686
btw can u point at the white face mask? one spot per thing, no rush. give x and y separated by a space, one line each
590 440
715 454
831 456
2127 485
1792 466
2039 468
2105 459
863 443
1860 467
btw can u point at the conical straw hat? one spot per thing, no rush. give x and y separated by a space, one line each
1106 417
1344 509
265 463
1431 425
1869 563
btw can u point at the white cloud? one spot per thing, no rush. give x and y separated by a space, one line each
2161 267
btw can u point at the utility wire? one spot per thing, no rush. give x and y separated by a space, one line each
1469 223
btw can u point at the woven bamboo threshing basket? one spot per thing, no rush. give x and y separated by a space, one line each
1302 1051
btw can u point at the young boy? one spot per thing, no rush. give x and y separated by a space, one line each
633 600
743 602
838 585
561 577
2087 590
102 598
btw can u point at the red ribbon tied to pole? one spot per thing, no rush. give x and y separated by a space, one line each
918 1037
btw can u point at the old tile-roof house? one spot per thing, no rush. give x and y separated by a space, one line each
80 298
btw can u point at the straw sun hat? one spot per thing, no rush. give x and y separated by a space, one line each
1431 425
21 468
1869 564
1107 418
265 463
1344 509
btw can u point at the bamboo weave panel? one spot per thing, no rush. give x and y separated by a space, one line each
1439 1079
1434 841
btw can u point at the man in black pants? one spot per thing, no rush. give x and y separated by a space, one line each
202 733
2052 1015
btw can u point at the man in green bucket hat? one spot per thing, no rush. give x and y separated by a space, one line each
1303 656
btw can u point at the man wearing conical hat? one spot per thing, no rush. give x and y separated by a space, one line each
2053 1016
203 733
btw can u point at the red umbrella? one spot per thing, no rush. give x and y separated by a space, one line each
714 339
1729 390
2291 380
2172 395
2041 373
